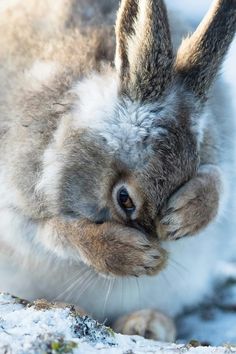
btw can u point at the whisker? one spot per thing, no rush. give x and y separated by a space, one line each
167 280
81 277
179 273
179 265
139 293
65 288
87 284
164 275
122 293
97 279
68 281
107 295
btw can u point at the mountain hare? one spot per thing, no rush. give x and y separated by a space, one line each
106 170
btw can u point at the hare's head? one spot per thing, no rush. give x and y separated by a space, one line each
137 130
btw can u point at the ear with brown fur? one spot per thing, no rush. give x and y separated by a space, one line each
200 55
144 53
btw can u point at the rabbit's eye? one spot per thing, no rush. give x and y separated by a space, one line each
124 200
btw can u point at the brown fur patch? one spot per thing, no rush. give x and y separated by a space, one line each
111 248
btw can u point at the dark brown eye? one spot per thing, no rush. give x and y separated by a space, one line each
124 200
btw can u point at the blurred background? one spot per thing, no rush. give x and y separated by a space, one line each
194 11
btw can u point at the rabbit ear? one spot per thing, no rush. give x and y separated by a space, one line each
200 55
144 55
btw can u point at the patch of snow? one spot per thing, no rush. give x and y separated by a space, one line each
25 329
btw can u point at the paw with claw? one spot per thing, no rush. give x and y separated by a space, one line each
192 207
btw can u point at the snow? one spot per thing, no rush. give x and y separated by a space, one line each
40 327
25 328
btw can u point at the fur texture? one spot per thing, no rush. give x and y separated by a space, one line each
75 129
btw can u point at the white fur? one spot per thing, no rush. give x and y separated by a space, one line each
97 99
9 195
42 70
49 181
124 124
6 4
41 73
53 163
48 236
199 124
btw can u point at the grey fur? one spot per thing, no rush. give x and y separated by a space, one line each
141 79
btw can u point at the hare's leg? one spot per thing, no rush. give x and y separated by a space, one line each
193 206
150 324
109 248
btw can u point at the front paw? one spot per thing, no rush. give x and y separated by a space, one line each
110 248
192 207
127 252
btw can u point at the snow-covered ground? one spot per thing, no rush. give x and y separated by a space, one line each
43 328
39 329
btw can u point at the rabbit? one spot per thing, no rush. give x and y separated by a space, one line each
107 168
